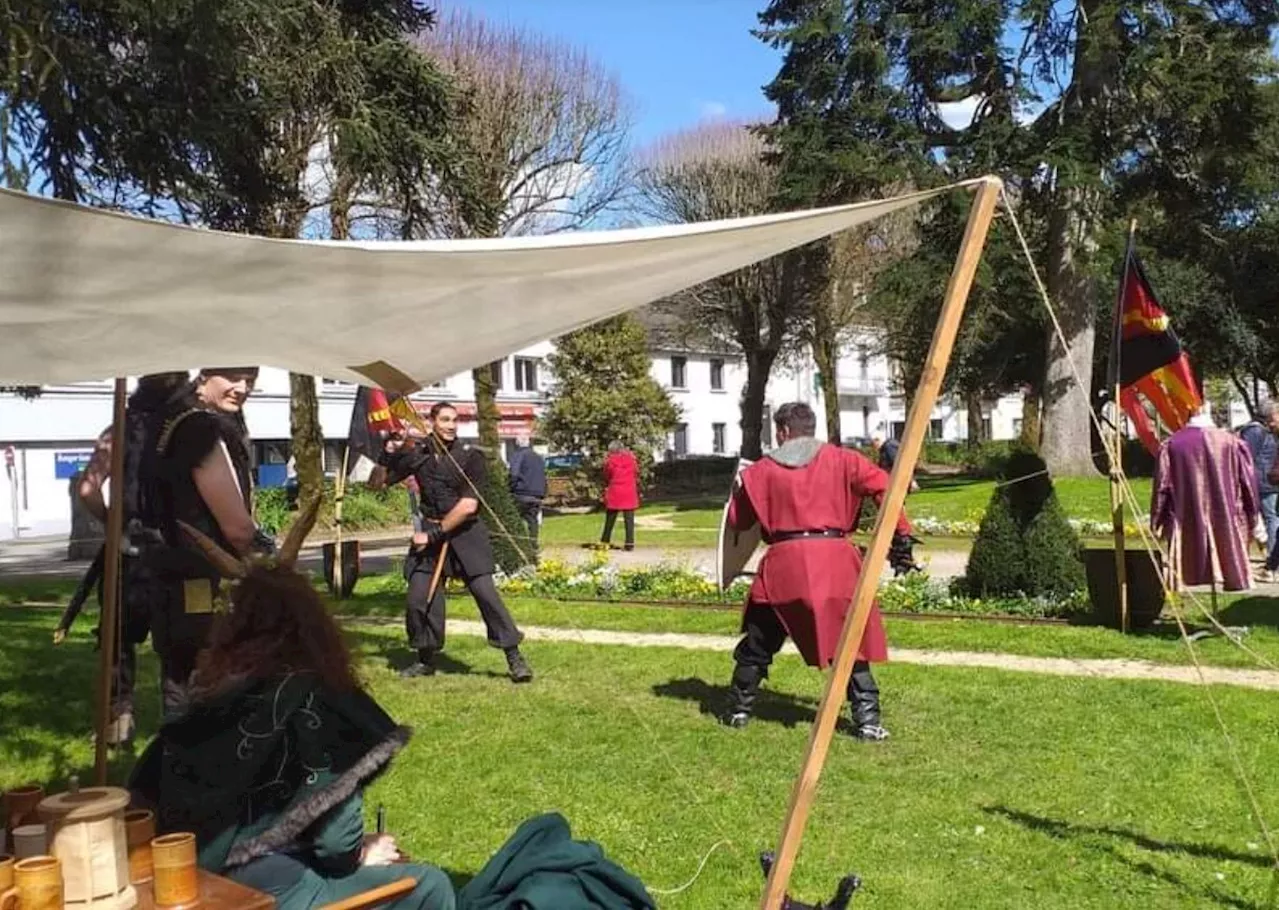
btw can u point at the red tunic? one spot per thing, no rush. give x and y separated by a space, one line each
809 582
621 477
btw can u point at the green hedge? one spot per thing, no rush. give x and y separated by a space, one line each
362 509
1025 545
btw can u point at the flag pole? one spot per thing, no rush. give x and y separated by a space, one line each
1116 472
339 493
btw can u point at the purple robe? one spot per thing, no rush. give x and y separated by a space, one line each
1204 502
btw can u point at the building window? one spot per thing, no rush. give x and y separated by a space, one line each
717 376
678 369
495 370
935 428
986 428
717 438
864 365
1017 426
680 445
526 374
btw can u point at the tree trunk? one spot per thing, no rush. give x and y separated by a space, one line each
1250 401
973 404
825 357
753 423
308 440
1065 418
1030 436
487 408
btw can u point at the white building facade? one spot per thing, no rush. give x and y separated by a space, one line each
46 440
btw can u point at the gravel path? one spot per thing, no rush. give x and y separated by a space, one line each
1052 666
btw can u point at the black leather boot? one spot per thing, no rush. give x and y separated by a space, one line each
864 704
517 667
425 665
742 695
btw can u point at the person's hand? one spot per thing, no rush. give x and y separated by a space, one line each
379 850
431 534
59 635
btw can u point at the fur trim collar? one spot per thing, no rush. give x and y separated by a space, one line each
303 813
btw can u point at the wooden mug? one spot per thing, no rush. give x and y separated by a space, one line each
140 829
20 805
6 872
173 865
38 881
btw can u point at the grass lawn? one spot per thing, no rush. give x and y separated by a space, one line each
694 523
1161 644
997 791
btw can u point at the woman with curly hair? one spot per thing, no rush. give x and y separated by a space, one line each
267 762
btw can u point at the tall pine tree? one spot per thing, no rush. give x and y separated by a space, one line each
1084 108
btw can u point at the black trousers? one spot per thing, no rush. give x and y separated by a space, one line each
135 625
628 522
763 637
424 620
531 511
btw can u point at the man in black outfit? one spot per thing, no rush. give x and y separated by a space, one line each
448 474
528 485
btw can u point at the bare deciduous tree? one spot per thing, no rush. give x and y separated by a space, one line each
546 135
717 171
850 261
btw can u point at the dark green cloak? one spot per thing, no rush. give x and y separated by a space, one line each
250 769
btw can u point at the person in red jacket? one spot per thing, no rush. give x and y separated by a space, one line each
621 493
806 496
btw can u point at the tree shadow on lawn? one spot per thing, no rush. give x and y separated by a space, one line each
1064 831
771 706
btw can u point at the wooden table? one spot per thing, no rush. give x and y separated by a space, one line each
216 893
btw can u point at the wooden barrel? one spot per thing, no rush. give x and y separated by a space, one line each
87 834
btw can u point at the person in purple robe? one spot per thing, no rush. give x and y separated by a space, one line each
1204 503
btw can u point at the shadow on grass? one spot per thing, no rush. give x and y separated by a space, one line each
1251 611
771 706
397 655
47 714
1107 839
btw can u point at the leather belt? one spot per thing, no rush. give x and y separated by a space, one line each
826 533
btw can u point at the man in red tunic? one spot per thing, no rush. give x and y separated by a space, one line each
806 496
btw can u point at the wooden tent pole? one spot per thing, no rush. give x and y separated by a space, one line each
975 236
108 622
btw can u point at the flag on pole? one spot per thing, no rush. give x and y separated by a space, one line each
1147 361
372 421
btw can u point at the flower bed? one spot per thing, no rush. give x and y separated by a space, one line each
599 579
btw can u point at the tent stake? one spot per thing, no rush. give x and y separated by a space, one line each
108 622
957 293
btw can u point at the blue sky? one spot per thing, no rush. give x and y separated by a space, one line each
681 61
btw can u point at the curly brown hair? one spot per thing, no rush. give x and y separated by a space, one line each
277 624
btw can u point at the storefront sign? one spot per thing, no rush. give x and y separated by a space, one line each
68 464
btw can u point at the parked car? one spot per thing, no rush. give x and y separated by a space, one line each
567 462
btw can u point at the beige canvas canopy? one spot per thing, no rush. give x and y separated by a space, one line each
87 293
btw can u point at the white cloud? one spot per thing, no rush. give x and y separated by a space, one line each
713 110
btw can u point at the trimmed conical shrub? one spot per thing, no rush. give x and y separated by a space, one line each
1024 544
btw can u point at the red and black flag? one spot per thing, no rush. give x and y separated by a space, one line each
372 421
1147 361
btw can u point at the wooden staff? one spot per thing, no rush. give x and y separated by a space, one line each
435 574
864 593
109 620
